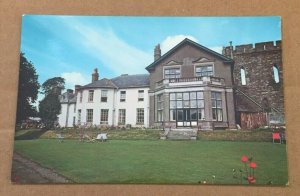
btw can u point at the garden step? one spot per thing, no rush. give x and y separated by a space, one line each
182 134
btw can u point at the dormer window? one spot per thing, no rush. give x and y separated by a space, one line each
204 70
173 72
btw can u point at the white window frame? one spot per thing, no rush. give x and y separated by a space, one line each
89 115
79 117
122 117
204 64
171 67
104 113
140 116
141 95
104 95
217 108
122 99
91 95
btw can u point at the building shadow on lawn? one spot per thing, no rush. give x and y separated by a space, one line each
31 134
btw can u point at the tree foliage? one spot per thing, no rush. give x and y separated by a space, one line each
53 85
28 89
50 106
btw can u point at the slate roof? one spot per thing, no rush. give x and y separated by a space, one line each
123 81
67 98
182 43
131 81
103 83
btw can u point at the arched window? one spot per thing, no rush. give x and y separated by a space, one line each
276 73
243 76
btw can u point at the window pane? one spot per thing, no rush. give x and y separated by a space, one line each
220 115
193 104
214 113
193 95
172 96
199 95
243 76
186 104
186 96
213 103
200 103
201 114
213 95
218 96
179 104
104 93
179 115
179 95
276 74
193 114
172 115
167 71
219 104
172 104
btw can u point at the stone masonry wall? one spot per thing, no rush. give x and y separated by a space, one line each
258 62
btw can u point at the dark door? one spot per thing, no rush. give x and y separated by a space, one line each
183 118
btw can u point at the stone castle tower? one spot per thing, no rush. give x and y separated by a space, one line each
258 77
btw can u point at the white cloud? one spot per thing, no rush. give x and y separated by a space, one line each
217 49
172 41
113 53
73 78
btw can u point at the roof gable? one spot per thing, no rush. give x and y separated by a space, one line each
181 44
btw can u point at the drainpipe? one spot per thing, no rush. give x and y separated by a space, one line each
67 115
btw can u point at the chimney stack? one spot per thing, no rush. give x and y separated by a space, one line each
95 75
70 91
157 52
77 88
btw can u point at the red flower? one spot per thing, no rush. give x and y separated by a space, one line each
251 180
244 159
252 165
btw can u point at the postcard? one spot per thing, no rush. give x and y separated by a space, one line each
150 100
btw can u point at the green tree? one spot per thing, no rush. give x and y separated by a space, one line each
50 106
53 85
27 90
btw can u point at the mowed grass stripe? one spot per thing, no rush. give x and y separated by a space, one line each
147 161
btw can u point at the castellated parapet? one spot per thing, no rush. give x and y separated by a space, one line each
259 62
248 48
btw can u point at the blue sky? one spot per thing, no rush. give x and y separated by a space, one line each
72 46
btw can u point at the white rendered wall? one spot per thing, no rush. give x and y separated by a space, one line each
96 105
64 114
113 104
131 104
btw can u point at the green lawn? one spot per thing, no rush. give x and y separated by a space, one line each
156 161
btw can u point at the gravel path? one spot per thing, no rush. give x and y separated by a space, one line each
27 171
